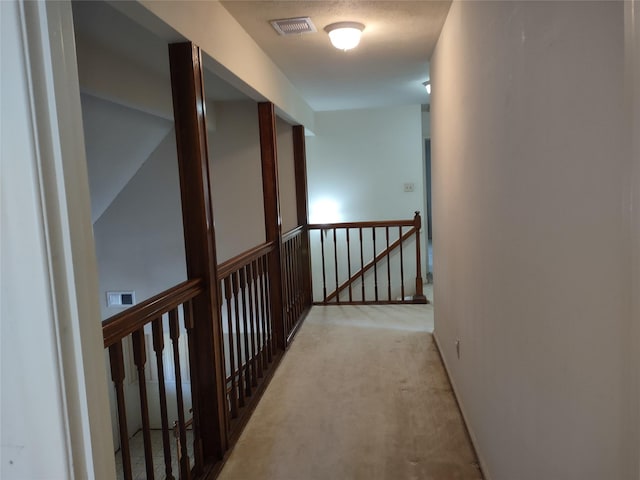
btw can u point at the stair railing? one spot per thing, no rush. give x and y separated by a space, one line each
127 336
339 251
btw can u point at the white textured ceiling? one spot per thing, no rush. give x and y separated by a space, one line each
387 68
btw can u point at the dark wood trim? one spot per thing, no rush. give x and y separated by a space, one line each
125 323
233 264
272 218
302 205
370 224
300 168
187 87
292 233
419 296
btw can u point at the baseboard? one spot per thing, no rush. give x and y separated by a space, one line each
472 437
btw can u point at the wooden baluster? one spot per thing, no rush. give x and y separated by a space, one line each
302 208
388 265
375 264
401 264
272 216
299 278
267 306
140 359
292 287
116 360
419 296
263 316
189 325
324 275
287 278
306 267
261 319
362 264
257 330
335 261
248 374
241 355
285 287
252 329
349 264
158 347
183 455
233 400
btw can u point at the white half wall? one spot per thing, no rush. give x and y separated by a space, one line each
532 246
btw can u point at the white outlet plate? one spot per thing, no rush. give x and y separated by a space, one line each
409 187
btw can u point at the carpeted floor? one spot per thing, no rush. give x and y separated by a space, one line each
361 394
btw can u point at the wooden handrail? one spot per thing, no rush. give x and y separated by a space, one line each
118 326
292 233
369 224
360 273
239 261
415 225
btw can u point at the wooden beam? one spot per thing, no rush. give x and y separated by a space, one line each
300 168
272 218
197 216
302 204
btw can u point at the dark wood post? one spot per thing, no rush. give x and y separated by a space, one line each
419 296
272 219
302 204
199 238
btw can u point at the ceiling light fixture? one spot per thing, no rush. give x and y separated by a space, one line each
344 35
427 85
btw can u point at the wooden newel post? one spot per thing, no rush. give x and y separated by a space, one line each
272 219
187 88
302 206
419 296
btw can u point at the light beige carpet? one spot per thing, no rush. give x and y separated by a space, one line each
361 394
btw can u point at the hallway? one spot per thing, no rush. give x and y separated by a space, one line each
361 394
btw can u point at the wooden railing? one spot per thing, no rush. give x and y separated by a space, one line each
150 317
340 253
249 349
249 346
296 291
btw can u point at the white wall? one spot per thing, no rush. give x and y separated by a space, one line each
357 165
532 249
236 178
286 176
139 239
118 141
361 160
53 409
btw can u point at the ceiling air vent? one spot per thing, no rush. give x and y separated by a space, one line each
293 26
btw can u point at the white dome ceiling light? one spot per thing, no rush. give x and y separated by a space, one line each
345 35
